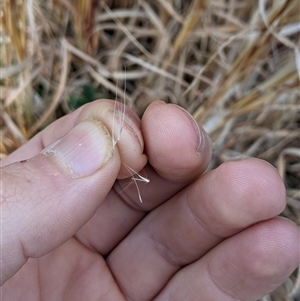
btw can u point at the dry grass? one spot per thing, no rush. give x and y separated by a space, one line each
235 65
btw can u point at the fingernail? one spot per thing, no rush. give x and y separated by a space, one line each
199 131
85 149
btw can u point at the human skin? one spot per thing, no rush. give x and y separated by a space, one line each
73 226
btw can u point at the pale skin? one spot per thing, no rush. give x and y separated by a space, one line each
73 236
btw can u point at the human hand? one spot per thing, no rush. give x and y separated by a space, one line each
70 231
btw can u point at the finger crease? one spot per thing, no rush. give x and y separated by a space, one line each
166 252
221 289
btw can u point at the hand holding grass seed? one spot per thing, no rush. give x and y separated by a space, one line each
74 227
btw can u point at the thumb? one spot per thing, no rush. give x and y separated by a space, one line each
46 199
